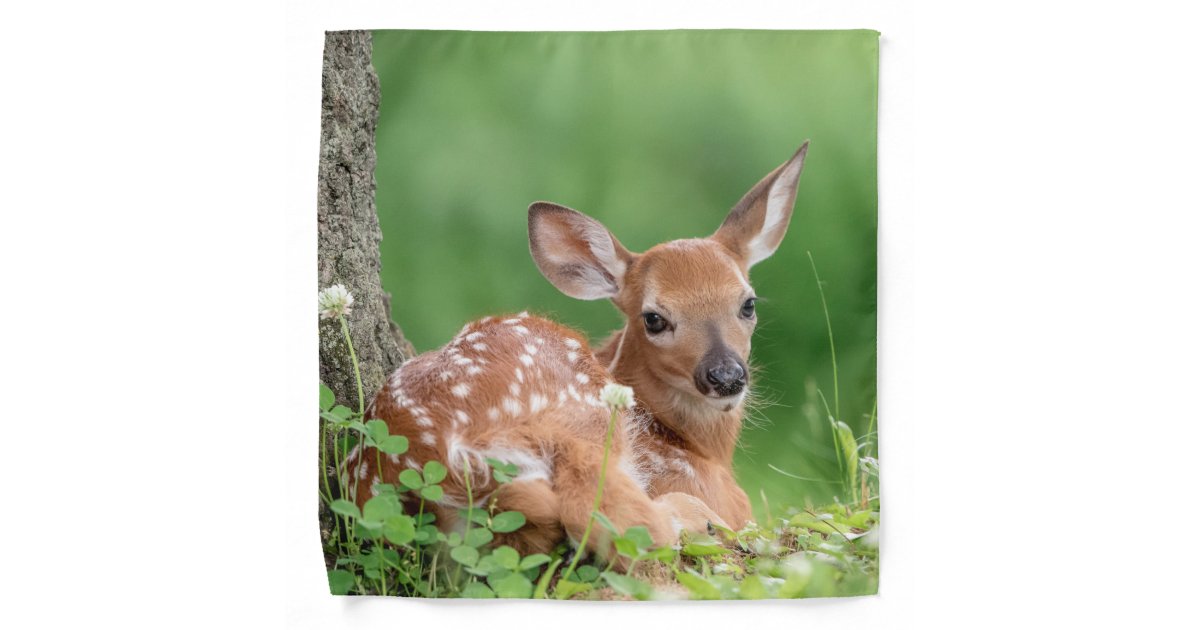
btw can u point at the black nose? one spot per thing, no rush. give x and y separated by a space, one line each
727 377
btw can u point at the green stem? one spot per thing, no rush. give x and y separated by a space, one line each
612 422
544 583
337 520
354 360
378 465
828 327
382 567
325 463
470 507
339 464
837 441
420 517
871 427
433 574
361 401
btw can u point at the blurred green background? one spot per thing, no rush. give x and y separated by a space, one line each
657 135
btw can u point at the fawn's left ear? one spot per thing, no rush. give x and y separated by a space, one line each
756 225
576 253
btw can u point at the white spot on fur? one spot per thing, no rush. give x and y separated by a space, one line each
412 463
574 393
531 349
514 389
582 378
530 466
511 406
571 343
539 341
394 458
362 471
481 347
571 356
462 361
511 322
629 466
521 329
461 416
462 390
424 421
474 336
445 376
485 319
457 453
473 370
523 314
429 438
375 486
520 375
537 402
681 466
493 414
526 359
562 397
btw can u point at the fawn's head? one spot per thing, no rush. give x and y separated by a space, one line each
688 303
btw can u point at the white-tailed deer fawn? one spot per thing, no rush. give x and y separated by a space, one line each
524 390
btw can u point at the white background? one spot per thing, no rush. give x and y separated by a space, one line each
1038 339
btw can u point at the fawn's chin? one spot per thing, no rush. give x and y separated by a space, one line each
698 402
725 403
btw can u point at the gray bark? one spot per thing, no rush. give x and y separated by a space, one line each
348 233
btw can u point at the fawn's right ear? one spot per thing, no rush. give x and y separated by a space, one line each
756 225
576 253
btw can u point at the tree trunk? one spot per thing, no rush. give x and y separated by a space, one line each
347 227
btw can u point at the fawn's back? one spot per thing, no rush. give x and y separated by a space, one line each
506 388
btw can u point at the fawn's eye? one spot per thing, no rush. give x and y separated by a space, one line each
748 308
654 323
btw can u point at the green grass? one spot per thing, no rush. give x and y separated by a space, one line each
825 551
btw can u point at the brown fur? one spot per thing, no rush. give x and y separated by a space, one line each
677 424
562 436
684 440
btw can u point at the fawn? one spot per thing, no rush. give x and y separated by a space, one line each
524 390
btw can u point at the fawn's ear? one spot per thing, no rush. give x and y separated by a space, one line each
756 225
576 253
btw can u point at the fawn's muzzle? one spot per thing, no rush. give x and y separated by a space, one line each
724 376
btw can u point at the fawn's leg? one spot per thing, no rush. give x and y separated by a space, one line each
688 512
576 473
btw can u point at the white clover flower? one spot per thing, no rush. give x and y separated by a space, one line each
334 301
617 396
